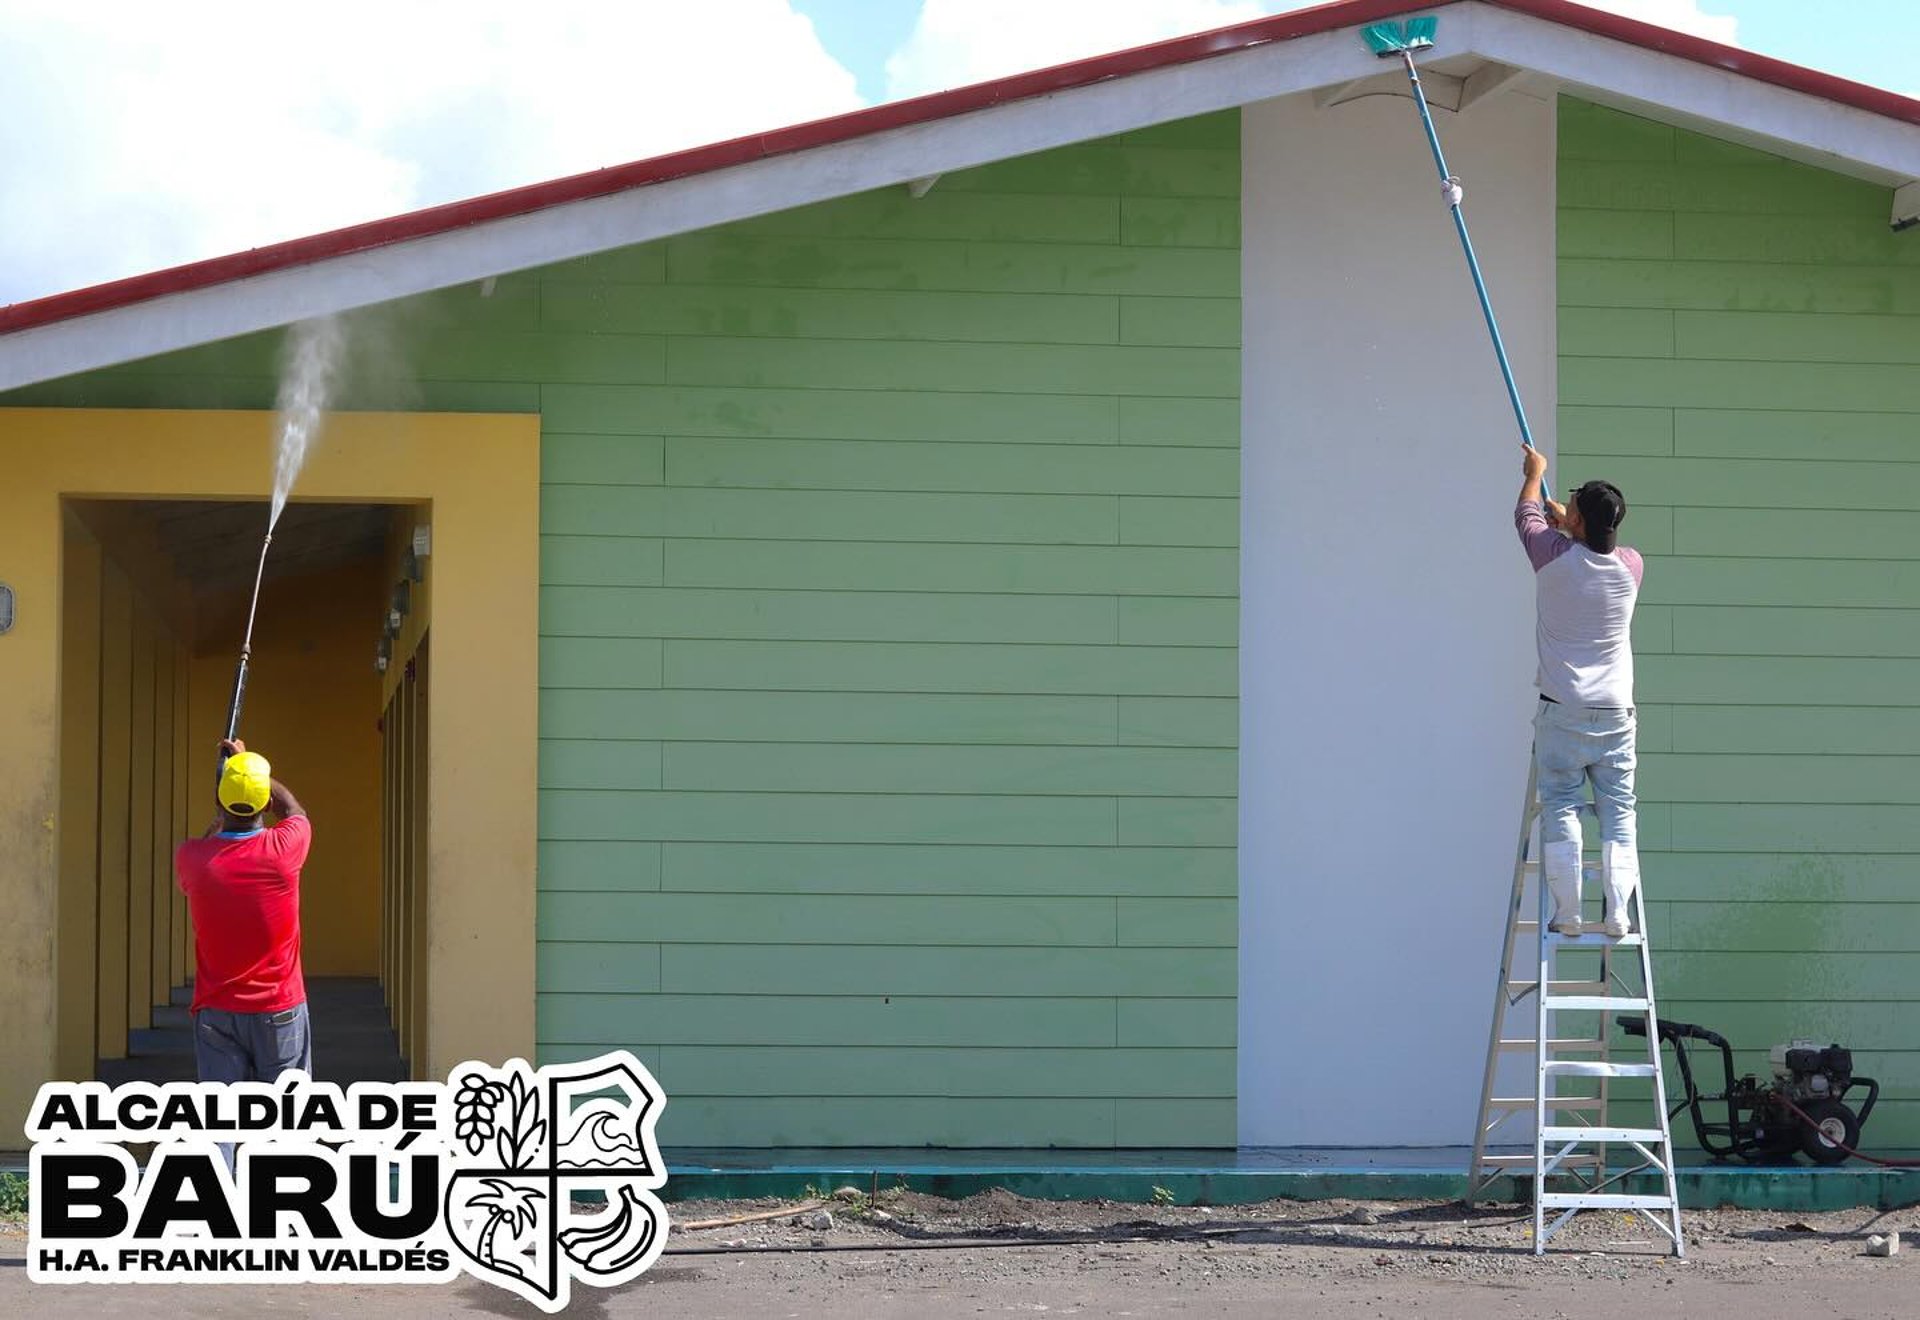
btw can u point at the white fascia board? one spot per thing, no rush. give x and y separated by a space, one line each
678 206
1906 206
1717 102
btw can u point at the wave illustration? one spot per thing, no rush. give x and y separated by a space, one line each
597 1142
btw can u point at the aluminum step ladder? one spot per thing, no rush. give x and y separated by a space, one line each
1573 1072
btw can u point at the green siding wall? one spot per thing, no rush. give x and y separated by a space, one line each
888 658
889 654
1740 351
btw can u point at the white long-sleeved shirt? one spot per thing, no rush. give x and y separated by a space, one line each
1584 605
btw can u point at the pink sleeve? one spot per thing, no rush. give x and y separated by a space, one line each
1544 545
1635 565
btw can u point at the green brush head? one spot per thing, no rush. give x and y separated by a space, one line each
1389 39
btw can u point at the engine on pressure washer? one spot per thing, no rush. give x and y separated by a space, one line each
1804 1070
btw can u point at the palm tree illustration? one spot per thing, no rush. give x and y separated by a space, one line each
509 1204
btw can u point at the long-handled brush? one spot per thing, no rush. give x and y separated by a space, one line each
1401 40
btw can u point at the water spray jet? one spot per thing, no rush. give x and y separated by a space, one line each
312 360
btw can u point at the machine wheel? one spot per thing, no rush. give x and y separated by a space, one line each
1834 1125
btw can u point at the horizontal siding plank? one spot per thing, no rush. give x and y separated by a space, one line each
845 616
600 967
1758 877
1190 822
886 414
1789 828
830 515
1721 975
593 763
1771 186
985 368
1803 631
1111 167
1789 730
826 818
1039 1071
1179 721
1782 680
978 468
1837 582
1738 286
1791 434
600 662
944 869
1615 235
543 356
613 460
801 717
839 919
813 1020
1778 337
1747 777
623 865
1603 430
862 969
1179 421
1819 534
1145 1124
1774 483
1181 322
1178 620
1781 927
1212 923
910 667
1790 240
858 768
717 257
1202 222
1616 332
734 311
588 561
1105 570
1177 521
945 213
1178 1023
1819 386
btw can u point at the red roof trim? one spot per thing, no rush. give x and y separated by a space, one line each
919 110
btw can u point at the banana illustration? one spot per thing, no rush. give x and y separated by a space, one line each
635 1236
605 1229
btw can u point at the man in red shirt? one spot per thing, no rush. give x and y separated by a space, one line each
242 882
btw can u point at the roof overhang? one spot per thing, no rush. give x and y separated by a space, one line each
1494 45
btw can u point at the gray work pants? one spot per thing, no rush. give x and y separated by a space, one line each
251 1047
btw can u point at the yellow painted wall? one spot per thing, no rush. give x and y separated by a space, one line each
479 477
312 708
79 914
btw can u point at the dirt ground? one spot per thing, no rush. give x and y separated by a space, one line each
999 1254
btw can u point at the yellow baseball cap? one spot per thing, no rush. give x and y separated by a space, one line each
246 782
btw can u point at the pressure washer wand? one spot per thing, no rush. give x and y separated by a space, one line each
1388 40
246 645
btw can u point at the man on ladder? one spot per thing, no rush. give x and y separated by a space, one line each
1585 587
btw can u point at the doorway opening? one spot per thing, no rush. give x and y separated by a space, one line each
155 602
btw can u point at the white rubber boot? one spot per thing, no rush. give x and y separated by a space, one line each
1620 874
1560 867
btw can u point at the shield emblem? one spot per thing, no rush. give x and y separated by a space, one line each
554 1172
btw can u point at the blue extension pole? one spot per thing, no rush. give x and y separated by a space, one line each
1453 196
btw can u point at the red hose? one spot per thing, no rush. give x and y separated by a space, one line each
1870 1159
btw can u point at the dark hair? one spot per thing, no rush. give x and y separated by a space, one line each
1602 509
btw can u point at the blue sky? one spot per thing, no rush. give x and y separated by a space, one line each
141 135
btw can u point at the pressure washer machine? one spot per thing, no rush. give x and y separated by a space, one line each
1801 1109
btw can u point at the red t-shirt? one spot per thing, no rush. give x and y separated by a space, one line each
244 895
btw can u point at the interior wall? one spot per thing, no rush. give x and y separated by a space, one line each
312 709
1386 616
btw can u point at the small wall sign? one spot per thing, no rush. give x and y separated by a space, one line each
6 607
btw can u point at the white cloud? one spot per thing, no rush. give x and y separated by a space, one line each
957 42
1680 15
137 135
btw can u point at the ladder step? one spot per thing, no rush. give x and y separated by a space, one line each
1514 1045
1560 987
1590 869
1600 1003
1646 1136
1526 1161
1594 939
1595 1068
1602 1201
1553 1102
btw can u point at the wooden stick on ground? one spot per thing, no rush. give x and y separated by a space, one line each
754 1218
